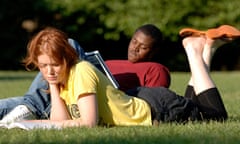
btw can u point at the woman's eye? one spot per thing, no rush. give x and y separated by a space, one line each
42 65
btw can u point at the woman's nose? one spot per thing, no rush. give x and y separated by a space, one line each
50 70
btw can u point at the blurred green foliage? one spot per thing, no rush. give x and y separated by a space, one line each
108 26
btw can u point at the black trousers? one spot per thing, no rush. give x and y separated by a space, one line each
209 103
167 106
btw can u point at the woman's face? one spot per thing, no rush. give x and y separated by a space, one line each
49 68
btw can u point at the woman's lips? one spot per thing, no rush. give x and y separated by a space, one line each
52 78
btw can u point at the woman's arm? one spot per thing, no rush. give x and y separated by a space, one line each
88 108
59 109
60 117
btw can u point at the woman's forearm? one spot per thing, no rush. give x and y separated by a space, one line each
58 107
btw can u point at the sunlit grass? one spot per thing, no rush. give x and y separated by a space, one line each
16 83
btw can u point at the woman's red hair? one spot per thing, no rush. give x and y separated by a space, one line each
54 43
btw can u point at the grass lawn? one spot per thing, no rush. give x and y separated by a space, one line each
14 83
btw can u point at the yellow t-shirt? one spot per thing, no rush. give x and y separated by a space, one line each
114 106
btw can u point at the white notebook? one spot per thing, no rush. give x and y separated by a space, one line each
27 125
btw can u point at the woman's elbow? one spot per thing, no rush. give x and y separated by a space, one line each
91 123
87 123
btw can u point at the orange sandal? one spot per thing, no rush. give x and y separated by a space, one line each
224 31
186 32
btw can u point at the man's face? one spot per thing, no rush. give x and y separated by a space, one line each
140 48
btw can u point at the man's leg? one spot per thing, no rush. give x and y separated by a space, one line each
7 104
198 50
78 48
34 104
37 99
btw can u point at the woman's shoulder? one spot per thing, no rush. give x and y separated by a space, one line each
82 66
84 63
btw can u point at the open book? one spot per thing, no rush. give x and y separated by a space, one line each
96 59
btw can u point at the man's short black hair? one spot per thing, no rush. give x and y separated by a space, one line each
154 32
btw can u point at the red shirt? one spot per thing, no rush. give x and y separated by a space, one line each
130 75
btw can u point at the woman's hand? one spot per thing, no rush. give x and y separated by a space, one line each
59 109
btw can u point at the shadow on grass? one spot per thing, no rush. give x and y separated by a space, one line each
235 118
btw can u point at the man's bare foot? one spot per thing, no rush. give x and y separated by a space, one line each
212 45
215 37
194 44
210 48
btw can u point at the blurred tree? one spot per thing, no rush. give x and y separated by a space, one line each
108 25
18 18
125 15
113 19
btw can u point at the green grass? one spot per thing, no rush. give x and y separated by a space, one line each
16 83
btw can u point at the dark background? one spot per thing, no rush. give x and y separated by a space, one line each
107 26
